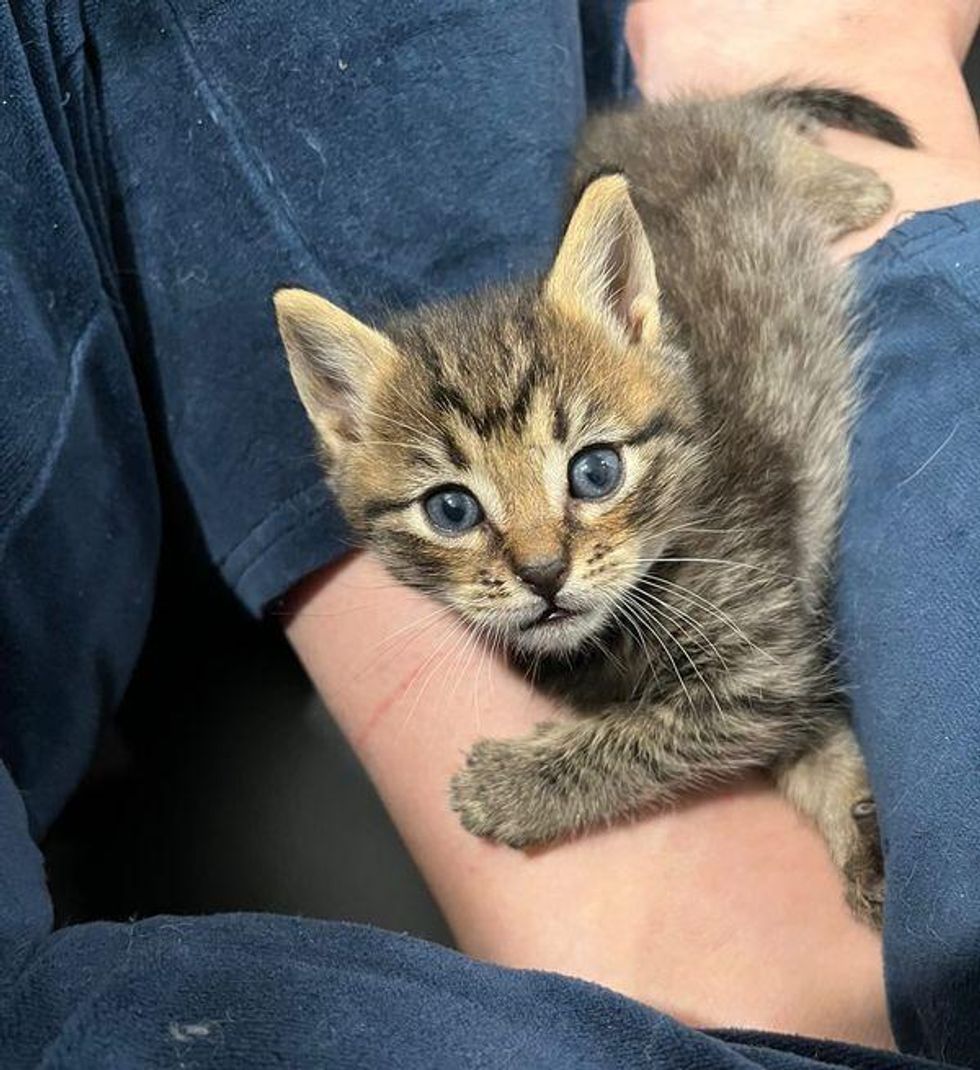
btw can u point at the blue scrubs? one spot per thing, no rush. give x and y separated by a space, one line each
164 164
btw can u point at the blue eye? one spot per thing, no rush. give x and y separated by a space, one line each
452 510
594 472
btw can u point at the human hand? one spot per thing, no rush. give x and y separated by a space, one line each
905 55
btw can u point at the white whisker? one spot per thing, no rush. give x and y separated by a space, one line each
654 620
711 607
432 665
712 561
685 618
421 624
635 620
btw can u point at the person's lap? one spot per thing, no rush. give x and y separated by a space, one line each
385 158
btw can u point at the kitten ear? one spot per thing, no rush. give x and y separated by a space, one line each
604 269
334 360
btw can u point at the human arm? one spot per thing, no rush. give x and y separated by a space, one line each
693 911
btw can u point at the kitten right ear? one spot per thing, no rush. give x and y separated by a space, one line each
604 270
334 360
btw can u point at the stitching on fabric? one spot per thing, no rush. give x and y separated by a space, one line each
65 412
268 518
901 244
44 956
238 577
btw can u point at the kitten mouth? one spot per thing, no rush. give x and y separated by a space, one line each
551 615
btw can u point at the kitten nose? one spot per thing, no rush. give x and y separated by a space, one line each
544 577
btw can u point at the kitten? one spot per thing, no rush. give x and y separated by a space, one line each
631 470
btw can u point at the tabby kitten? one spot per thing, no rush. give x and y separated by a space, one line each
631 470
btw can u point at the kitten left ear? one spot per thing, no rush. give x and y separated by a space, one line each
604 270
335 361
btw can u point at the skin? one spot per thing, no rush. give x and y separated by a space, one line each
726 911
904 55
640 908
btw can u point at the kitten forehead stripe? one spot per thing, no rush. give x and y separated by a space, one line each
419 457
658 424
497 417
454 451
522 400
380 506
447 399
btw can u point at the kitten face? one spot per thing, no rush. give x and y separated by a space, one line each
532 490
523 455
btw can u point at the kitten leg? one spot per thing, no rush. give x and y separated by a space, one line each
829 784
845 196
575 775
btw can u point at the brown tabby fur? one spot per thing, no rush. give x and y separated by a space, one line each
721 368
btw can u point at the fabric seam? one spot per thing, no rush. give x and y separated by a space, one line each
218 103
267 518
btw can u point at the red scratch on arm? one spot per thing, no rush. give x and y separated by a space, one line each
385 704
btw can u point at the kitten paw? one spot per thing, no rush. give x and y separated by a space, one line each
864 867
856 198
845 196
505 794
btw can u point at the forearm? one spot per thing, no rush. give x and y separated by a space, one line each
907 53
692 911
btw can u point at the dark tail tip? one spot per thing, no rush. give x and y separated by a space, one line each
844 110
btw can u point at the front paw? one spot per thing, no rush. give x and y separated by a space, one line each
505 794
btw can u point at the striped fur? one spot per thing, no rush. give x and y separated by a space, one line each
694 322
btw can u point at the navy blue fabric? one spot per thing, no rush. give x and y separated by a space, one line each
163 165
910 617
166 164
237 992
79 512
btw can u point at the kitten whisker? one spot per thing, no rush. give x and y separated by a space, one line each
656 620
715 561
373 414
606 650
497 640
674 611
429 666
630 608
424 416
320 614
420 624
711 607
695 527
467 648
387 442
